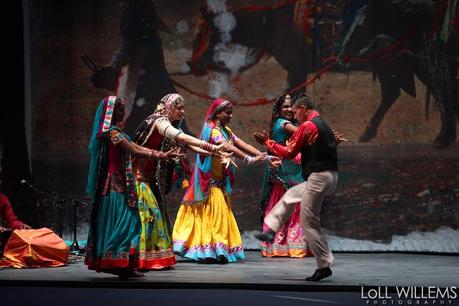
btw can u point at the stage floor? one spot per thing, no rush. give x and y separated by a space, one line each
350 273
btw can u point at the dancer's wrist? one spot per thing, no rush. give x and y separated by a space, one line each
249 159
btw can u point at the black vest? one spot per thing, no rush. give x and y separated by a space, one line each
322 154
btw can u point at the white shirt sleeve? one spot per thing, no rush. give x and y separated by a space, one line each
166 129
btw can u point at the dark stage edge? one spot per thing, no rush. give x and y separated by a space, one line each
351 272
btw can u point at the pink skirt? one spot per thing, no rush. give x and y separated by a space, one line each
289 240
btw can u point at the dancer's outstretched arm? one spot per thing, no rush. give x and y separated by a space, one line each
142 152
207 153
240 154
119 138
225 157
244 146
302 136
166 129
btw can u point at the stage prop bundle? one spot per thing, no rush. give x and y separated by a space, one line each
35 248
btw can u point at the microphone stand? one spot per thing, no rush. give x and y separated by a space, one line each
75 247
58 200
60 226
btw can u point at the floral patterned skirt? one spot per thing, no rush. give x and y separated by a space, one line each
155 248
289 240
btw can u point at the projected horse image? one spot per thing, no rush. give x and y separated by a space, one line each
408 33
300 49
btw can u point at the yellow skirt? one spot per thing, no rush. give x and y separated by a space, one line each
208 231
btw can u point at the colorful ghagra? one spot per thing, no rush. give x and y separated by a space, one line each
289 241
205 227
115 224
156 237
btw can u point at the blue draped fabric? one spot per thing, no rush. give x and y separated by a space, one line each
94 152
114 230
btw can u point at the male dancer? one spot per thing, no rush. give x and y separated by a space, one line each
317 143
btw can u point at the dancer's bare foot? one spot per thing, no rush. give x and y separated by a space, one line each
128 273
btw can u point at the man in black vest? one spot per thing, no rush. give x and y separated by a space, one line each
317 143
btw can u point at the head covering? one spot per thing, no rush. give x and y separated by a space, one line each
216 106
101 125
167 104
163 110
198 192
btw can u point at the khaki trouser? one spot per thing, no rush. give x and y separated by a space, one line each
310 194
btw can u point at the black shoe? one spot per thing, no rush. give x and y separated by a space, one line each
265 236
123 275
319 274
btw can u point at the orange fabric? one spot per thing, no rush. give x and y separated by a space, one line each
35 248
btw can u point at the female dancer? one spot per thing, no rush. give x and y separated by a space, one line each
205 228
289 240
154 179
115 224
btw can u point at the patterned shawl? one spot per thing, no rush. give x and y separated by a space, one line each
98 151
198 192
163 110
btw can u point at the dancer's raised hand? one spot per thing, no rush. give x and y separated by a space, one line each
339 137
261 137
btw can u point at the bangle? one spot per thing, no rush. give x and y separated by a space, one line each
202 145
207 146
248 159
